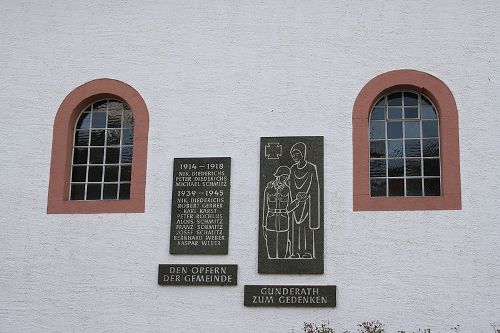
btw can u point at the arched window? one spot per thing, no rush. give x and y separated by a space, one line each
99 150
102 152
405 144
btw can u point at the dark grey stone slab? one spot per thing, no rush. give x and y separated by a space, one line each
200 205
290 296
197 275
291 225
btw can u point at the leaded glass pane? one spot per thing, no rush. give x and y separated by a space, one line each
79 173
377 149
110 191
82 138
412 148
96 155
410 99
124 191
432 187
430 147
83 121
113 137
378 187
100 106
128 137
394 113
377 130
126 155
395 148
411 113
111 173
414 187
396 187
80 155
412 129
431 167
430 129
394 99
394 130
114 119
126 173
413 167
395 168
377 168
77 192
97 137
93 192
95 174
112 155
424 101
378 114
128 119
380 102
428 112
98 119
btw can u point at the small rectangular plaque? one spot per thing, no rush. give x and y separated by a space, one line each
197 275
290 296
200 205
291 224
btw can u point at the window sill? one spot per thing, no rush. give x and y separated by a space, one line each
446 202
95 206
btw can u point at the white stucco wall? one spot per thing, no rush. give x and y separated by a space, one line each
216 76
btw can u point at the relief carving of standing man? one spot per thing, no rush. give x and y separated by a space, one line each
276 219
304 187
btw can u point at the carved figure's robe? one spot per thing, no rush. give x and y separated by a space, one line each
306 215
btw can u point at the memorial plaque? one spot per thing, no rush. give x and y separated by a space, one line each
290 296
200 205
197 275
291 224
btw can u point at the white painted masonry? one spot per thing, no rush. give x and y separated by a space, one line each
217 75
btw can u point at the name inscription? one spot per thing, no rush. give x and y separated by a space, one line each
197 275
290 296
200 206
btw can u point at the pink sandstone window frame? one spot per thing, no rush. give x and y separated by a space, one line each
62 145
441 96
